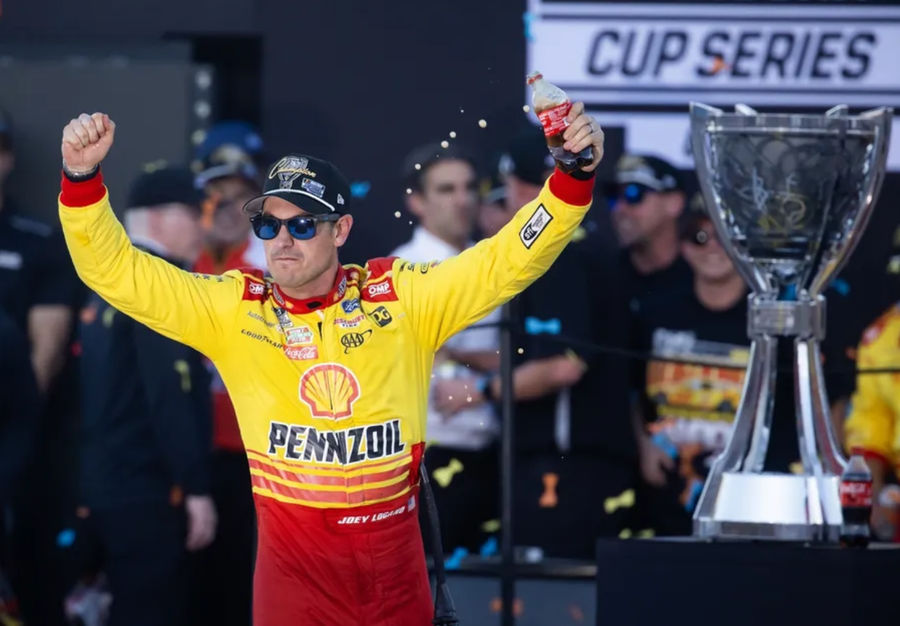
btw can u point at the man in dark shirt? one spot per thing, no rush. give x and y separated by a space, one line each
146 433
37 283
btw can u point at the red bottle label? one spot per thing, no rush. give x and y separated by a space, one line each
856 494
554 119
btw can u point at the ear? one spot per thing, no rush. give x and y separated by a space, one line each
415 203
341 230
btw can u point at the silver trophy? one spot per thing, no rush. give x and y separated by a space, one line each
790 196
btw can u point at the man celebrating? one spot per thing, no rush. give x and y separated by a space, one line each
328 365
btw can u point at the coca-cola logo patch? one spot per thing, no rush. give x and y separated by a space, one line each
535 226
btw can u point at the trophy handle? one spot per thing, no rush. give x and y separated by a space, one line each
872 187
701 114
812 400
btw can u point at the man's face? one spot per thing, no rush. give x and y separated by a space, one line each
448 202
229 224
294 262
705 255
640 214
180 230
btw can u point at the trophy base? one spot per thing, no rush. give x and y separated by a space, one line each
770 506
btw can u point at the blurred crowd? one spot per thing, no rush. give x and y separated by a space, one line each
629 357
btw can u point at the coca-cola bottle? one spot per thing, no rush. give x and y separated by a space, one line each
856 502
552 105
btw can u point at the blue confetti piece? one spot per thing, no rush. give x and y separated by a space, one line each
666 444
360 188
696 490
65 538
535 326
528 21
489 548
455 559
841 286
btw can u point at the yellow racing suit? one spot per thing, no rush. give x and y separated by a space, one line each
330 392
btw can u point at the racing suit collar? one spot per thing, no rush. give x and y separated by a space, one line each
294 305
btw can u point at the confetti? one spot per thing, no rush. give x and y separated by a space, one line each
418 166
521 350
482 123
397 214
462 110
452 134
408 190
445 144
526 108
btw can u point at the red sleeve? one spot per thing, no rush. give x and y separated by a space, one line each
84 193
571 190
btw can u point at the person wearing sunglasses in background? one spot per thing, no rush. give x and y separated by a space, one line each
328 365
686 411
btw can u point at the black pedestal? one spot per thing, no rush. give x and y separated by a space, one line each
686 581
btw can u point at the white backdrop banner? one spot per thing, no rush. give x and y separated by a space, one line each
621 57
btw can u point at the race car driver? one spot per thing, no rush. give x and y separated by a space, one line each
328 365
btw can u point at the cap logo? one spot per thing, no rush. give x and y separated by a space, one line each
340 199
289 169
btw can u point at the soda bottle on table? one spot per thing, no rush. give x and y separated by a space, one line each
856 502
552 105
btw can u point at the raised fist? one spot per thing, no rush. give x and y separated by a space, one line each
85 142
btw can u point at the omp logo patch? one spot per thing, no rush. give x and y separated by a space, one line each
535 226
329 390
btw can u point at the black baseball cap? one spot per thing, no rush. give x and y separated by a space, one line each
313 185
652 172
165 185
527 157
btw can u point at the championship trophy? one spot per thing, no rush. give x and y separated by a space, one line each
790 196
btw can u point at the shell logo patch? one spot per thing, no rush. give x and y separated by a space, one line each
329 389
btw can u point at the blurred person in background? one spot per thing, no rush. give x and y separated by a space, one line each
145 436
41 294
873 426
37 285
230 177
686 411
574 447
460 454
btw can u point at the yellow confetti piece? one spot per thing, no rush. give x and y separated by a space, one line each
526 108
444 475
452 134
491 526
647 533
482 123
397 214
625 500
445 144
625 533
521 350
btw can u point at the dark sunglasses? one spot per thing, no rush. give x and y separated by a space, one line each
299 226
632 193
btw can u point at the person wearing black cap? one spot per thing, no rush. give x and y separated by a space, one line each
574 445
328 365
145 433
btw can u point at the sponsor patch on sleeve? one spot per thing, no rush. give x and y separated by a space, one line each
535 226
